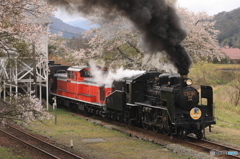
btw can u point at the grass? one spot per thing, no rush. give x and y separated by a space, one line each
228 123
227 114
115 144
211 74
7 153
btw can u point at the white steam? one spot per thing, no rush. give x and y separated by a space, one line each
157 61
108 78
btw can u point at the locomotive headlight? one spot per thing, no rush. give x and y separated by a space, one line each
188 82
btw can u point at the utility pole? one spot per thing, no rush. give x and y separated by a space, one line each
34 70
55 108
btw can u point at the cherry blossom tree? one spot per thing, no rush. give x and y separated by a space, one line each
201 42
62 51
22 23
22 109
114 41
21 20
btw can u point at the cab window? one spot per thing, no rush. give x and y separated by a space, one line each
70 74
85 74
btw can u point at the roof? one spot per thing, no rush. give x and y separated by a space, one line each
77 68
232 53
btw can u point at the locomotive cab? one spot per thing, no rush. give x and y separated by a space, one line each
163 79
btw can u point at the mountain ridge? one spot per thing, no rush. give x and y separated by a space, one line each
67 30
84 24
228 23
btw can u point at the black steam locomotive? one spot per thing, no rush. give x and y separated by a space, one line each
159 101
163 102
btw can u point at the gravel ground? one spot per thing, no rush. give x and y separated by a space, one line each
178 149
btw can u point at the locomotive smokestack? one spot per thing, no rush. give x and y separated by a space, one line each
156 20
184 76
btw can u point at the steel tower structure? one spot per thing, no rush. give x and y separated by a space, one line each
28 75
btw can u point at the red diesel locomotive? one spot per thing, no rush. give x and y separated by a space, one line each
74 87
78 84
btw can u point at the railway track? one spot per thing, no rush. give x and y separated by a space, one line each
215 149
43 149
207 147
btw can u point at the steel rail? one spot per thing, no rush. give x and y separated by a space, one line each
58 148
10 135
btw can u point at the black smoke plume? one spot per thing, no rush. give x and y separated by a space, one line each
156 20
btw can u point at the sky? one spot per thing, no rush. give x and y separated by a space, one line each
66 17
212 7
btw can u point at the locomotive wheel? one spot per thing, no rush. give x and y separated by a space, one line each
182 134
145 126
145 119
155 129
129 122
113 117
179 134
165 132
120 118
199 135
